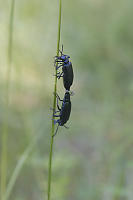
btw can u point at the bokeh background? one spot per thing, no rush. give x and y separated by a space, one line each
93 159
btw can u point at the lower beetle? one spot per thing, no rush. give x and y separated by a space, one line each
64 111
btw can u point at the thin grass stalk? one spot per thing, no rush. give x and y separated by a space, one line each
4 138
18 169
54 107
20 164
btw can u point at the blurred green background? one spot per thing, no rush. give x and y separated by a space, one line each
93 159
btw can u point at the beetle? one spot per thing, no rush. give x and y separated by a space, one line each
67 69
64 111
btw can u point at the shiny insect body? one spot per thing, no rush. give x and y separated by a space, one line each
64 111
67 69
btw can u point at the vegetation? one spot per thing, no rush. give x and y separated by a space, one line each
93 158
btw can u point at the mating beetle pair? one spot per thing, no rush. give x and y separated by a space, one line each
67 74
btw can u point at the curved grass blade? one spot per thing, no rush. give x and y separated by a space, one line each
19 167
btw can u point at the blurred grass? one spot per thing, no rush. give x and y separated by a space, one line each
5 127
93 159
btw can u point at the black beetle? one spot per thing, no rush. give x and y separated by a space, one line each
64 111
67 70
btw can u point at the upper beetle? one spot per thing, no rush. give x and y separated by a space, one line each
67 69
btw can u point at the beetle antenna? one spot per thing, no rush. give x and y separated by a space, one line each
62 48
61 51
56 131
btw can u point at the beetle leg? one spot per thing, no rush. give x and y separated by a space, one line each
56 115
56 111
60 75
57 57
58 60
57 74
66 126
57 67
58 105
56 131
58 97
58 64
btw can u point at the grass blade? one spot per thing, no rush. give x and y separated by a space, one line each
54 106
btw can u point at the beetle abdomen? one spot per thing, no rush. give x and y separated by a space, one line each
65 113
68 75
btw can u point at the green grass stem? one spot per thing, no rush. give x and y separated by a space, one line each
54 107
4 138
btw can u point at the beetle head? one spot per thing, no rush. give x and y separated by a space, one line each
63 57
67 96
